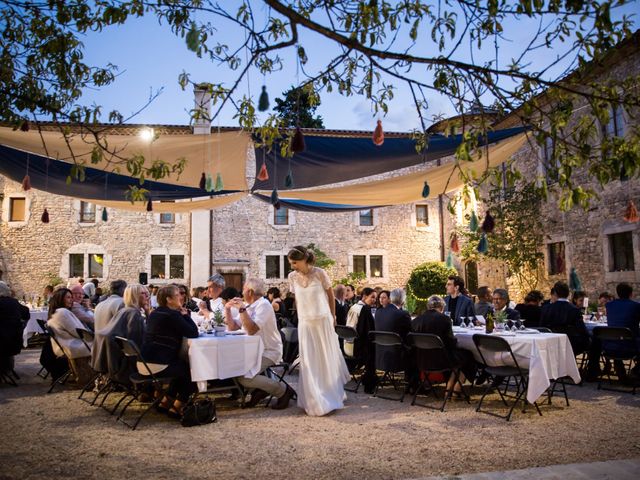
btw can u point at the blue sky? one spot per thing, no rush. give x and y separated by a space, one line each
150 57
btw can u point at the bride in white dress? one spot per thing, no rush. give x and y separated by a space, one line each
323 371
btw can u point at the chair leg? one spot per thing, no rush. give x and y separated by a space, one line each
60 380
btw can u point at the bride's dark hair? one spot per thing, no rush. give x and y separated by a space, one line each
299 253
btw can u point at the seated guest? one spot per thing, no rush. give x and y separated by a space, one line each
128 322
434 322
95 300
258 318
215 285
203 309
603 299
483 306
530 309
79 309
107 308
342 307
578 299
229 293
48 293
197 294
350 294
187 301
624 312
273 295
456 302
167 325
153 299
89 288
63 323
361 318
12 315
562 313
383 299
394 319
501 304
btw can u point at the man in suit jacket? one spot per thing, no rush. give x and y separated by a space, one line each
624 312
394 319
562 314
501 304
456 302
342 307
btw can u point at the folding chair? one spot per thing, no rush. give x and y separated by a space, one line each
86 336
349 334
542 329
432 357
618 344
158 382
391 362
62 379
290 361
492 350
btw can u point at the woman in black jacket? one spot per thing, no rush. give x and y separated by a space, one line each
167 325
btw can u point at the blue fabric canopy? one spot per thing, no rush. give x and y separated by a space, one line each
310 206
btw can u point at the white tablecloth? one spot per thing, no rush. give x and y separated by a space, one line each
230 356
547 356
32 325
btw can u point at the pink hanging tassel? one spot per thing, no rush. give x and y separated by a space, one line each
455 245
263 175
26 183
631 215
378 134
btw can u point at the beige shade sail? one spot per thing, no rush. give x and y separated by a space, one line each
182 206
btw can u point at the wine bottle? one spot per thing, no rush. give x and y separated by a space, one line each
489 326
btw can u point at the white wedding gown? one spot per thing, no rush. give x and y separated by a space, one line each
323 371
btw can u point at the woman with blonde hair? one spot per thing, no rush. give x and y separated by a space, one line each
128 322
323 371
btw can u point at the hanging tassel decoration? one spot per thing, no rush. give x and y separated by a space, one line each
263 102
631 215
455 245
263 175
149 206
203 181
426 190
574 281
473 222
488 224
483 244
275 200
219 185
288 180
26 183
449 262
24 126
45 216
297 144
209 183
378 134
105 217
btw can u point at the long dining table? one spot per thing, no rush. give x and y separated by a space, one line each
547 356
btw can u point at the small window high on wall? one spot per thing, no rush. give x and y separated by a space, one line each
17 209
621 252
556 256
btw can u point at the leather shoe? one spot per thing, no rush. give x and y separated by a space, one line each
283 401
256 397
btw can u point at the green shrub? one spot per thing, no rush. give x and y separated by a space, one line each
425 280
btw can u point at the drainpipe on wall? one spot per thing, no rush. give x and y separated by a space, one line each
441 219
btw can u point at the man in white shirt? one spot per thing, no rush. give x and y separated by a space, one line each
258 318
215 285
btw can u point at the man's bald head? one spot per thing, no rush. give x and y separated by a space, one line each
78 293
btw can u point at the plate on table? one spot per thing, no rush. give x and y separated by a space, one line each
505 334
528 331
235 332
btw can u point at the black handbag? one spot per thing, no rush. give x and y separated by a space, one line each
200 412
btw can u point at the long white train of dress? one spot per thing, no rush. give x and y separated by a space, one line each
323 371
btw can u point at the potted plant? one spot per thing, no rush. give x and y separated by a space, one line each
499 319
218 320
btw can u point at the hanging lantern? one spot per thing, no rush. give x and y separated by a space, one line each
378 134
104 214
483 245
203 181
574 281
631 215
26 183
426 190
449 262
455 245
288 180
209 183
275 200
488 224
263 175
297 143
219 185
149 205
473 222
263 102
45 216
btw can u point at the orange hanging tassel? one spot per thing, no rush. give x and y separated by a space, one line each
263 175
26 183
631 215
455 245
378 134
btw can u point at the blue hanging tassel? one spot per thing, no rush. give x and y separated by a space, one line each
275 200
473 222
209 184
288 181
574 281
483 245
104 214
263 102
426 190
219 185
449 262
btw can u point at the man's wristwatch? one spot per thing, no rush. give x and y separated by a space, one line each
242 309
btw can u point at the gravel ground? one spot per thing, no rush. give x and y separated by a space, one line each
58 436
